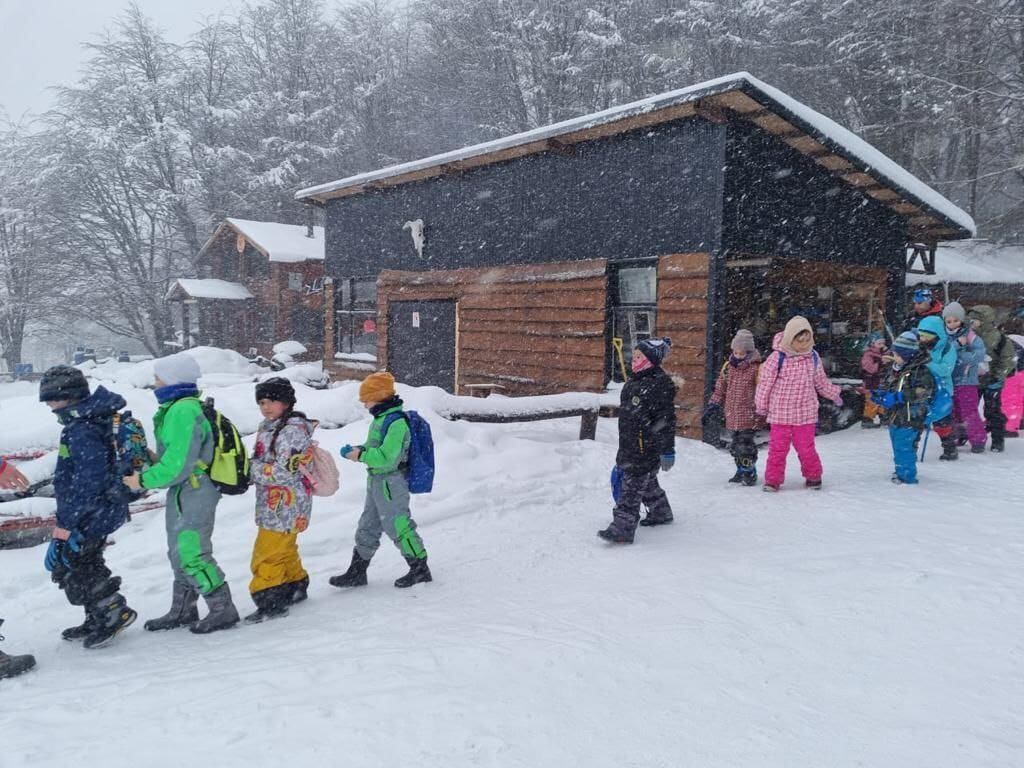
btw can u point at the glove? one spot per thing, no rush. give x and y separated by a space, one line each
886 399
711 411
346 449
668 460
616 483
74 543
54 554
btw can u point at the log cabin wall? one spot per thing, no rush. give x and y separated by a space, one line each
683 280
533 329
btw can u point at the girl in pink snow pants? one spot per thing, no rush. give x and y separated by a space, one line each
792 378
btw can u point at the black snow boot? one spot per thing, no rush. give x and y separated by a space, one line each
300 590
949 451
270 603
110 618
418 573
615 535
183 611
977 449
749 478
80 632
355 576
997 445
12 666
222 615
738 477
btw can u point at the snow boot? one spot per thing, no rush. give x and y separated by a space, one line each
271 603
110 618
770 488
997 445
80 632
949 452
183 611
355 576
300 590
869 424
749 479
814 485
738 477
651 520
418 573
614 535
12 666
222 615
977 449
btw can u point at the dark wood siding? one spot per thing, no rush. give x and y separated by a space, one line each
635 195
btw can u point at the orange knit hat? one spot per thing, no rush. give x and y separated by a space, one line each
377 387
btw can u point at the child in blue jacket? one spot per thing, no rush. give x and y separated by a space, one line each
91 504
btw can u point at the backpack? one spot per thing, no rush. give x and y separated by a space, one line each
131 451
1019 349
420 468
941 405
229 469
782 359
321 472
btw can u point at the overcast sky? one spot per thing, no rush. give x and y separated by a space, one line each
41 40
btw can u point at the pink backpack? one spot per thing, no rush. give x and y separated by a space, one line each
321 472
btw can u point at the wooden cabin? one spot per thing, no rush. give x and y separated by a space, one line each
534 261
260 283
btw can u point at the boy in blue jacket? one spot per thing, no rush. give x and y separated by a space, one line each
91 504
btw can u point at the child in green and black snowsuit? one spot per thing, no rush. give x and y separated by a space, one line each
385 455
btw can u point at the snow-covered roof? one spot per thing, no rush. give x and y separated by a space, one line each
975 261
284 243
193 288
824 130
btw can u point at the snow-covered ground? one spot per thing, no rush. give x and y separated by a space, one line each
865 625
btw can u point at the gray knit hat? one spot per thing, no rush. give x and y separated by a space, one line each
955 309
743 340
180 368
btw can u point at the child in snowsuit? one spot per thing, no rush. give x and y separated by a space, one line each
284 500
906 397
385 454
970 352
872 372
735 391
935 340
185 445
792 379
647 436
90 504
1002 364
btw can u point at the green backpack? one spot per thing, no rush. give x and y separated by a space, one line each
229 469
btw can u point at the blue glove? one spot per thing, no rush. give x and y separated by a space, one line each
616 482
891 399
346 449
668 460
54 554
996 385
74 545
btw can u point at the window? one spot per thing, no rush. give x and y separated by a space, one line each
294 281
634 301
355 313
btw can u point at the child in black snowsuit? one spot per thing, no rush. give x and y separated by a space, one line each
91 504
647 433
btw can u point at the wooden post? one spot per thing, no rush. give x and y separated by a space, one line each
328 305
588 426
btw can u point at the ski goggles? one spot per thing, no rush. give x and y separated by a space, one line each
922 295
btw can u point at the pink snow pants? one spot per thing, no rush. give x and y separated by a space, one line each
1013 401
800 437
965 411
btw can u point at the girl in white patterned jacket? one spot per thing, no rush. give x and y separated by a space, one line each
283 500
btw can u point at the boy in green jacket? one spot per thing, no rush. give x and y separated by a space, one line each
185 441
387 490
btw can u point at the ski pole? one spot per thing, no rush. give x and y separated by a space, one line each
924 446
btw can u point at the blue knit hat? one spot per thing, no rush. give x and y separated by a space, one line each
922 295
907 345
655 350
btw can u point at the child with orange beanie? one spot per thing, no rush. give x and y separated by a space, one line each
385 455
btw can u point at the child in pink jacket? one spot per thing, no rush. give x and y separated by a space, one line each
792 378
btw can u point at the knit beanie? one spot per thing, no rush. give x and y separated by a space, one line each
278 389
377 387
955 309
743 341
179 368
63 382
655 350
906 345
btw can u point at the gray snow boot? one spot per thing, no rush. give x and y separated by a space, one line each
183 611
222 615
12 666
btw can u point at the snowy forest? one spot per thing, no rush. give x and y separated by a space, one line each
110 194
